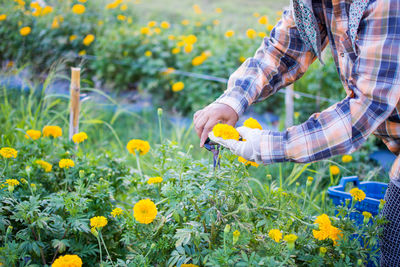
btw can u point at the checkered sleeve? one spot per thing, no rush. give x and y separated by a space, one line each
281 59
375 82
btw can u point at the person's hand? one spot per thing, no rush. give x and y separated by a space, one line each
206 118
248 149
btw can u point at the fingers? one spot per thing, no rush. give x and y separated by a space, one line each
246 132
207 129
200 122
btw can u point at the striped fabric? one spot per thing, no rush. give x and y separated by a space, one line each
369 69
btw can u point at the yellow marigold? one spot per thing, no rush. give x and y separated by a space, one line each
145 30
185 22
188 48
54 131
55 24
225 131
263 20
98 221
121 17
334 170
66 163
367 214
197 9
138 145
168 71
247 162
229 33
72 37
190 39
33 134
347 158
148 53
325 229
270 27
46 10
123 7
79 137
154 180
357 194
198 60
218 10
117 211
175 50
242 59
290 238
82 1
78 9
216 22
12 182
82 53
165 25
256 14
88 39
113 5
3 17
252 123
178 86
25 31
236 233
145 211
8 152
310 179
44 164
275 235
67 260
262 34
171 37
251 33
151 23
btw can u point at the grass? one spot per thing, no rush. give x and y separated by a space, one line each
237 14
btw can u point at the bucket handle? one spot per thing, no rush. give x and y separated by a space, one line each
348 179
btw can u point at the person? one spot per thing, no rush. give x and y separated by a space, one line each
364 37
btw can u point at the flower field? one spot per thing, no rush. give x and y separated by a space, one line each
134 188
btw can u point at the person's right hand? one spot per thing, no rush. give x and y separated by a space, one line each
206 118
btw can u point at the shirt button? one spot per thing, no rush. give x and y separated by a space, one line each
342 54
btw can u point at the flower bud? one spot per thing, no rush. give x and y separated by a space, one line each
153 245
94 231
309 180
359 262
33 187
11 188
236 235
160 112
9 229
227 229
322 251
269 177
81 173
381 203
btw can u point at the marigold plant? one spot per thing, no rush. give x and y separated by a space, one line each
137 145
33 134
117 211
357 194
24 31
98 221
225 131
53 131
88 39
66 163
8 152
12 182
275 234
68 261
178 86
79 137
145 211
334 170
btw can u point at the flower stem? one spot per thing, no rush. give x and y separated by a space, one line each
5 167
101 256
305 196
138 164
160 126
105 247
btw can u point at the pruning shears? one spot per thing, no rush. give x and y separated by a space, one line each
215 149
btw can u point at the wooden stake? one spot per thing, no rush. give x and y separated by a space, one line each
75 90
289 106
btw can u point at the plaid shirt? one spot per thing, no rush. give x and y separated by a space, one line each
369 69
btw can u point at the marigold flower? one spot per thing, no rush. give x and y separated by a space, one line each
198 60
78 9
66 163
113 5
326 230
225 131
54 131
216 22
72 37
55 24
171 37
8 152
46 10
218 10
117 211
197 9
178 86
82 53
262 34
154 180
185 22
381 203
242 59
67 260
251 33
168 71
138 145
236 235
98 221
263 20
25 31
148 53
247 162
33 134
123 7
44 165
334 170
79 137
145 211
82 1
3 17
367 215
88 39
165 25
145 30
256 14
188 48
347 158
190 39
270 27
175 50
322 250
252 123
12 182
275 235
357 194
121 17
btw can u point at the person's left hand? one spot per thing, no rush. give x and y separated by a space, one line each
248 149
